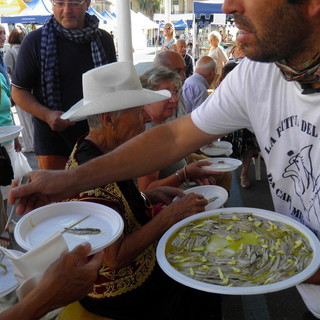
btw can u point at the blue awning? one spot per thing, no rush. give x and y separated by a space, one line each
207 8
37 11
24 19
94 12
180 25
107 15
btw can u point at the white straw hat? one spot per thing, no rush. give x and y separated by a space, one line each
112 87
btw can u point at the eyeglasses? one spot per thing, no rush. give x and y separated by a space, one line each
180 71
72 4
176 92
167 28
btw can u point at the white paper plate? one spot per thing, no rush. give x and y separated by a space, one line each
39 224
8 282
222 164
296 279
210 192
8 133
217 148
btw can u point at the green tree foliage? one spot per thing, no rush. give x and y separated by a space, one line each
149 7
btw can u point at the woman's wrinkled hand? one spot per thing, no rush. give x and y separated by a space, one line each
200 176
163 195
182 208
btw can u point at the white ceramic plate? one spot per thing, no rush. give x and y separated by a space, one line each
217 148
8 133
39 224
8 282
296 279
209 192
222 164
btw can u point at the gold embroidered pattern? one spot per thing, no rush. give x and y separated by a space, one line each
111 282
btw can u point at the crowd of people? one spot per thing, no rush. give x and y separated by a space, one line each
85 120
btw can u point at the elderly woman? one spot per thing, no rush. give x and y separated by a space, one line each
217 53
130 284
159 78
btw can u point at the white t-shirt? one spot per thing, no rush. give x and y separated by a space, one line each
287 126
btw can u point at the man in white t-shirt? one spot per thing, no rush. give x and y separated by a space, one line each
276 94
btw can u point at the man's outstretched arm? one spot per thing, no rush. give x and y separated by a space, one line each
148 152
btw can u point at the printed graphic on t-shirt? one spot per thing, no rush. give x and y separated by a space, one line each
299 186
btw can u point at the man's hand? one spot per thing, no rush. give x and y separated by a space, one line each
17 145
67 280
70 278
45 186
53 119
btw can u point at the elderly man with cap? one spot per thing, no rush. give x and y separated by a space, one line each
130 284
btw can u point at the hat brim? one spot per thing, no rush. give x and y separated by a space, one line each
114 101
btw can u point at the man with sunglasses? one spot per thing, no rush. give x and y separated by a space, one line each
48 76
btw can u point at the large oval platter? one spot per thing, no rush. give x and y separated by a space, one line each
40 224
245 288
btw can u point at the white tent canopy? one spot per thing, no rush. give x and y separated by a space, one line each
145 22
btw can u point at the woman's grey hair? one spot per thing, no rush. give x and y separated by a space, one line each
155 76
216 35
95 121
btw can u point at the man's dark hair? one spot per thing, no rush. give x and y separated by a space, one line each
228 67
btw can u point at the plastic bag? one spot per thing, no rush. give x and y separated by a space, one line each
21 165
